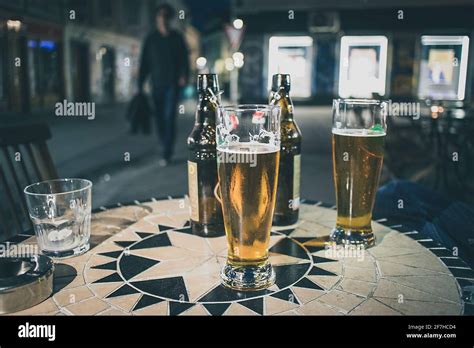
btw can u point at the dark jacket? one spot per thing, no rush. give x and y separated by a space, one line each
164 58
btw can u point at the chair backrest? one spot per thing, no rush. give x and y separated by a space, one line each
24 159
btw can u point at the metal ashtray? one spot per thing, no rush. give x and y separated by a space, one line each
24 282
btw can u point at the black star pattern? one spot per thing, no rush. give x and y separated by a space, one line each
172 288
186 230
223 294
122 291
308 284
112 254
287 247
218 299
110 265
286 295
143 235
114 277
177 308
217 308
164 228
175 292
321 272
255 305
131 265
146 301
124 244
155 241
318 259
285 275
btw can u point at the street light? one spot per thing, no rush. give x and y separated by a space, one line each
238 23
238 63
13 25
238 59
238 56
201 62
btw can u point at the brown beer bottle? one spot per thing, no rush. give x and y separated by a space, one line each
206 213
288 192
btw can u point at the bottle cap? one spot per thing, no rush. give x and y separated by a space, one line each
281 80
205 81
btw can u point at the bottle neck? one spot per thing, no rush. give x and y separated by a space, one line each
283 100
206 108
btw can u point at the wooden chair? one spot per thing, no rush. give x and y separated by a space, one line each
24 159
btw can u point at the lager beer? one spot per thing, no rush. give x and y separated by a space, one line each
288 191
248 145
206 213
357 163
251 194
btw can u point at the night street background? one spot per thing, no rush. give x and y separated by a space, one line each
95 149
77 75
90 52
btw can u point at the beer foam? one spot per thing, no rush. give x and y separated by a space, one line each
358 132
248 147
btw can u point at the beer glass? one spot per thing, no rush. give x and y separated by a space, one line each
248 154
358 134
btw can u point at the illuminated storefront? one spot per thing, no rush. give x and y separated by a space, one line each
330 51
362 66
443 67
292 55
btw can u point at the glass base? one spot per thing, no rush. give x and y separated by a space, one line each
341 236
67 253
207 230
247 278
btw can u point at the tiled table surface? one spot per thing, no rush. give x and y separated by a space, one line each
147 262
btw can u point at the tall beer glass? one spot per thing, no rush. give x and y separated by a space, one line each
248 145
358 134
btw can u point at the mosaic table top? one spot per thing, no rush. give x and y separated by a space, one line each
146 261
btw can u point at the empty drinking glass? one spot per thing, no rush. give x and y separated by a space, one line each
61 213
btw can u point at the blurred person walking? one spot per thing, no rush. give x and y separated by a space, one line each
165 59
